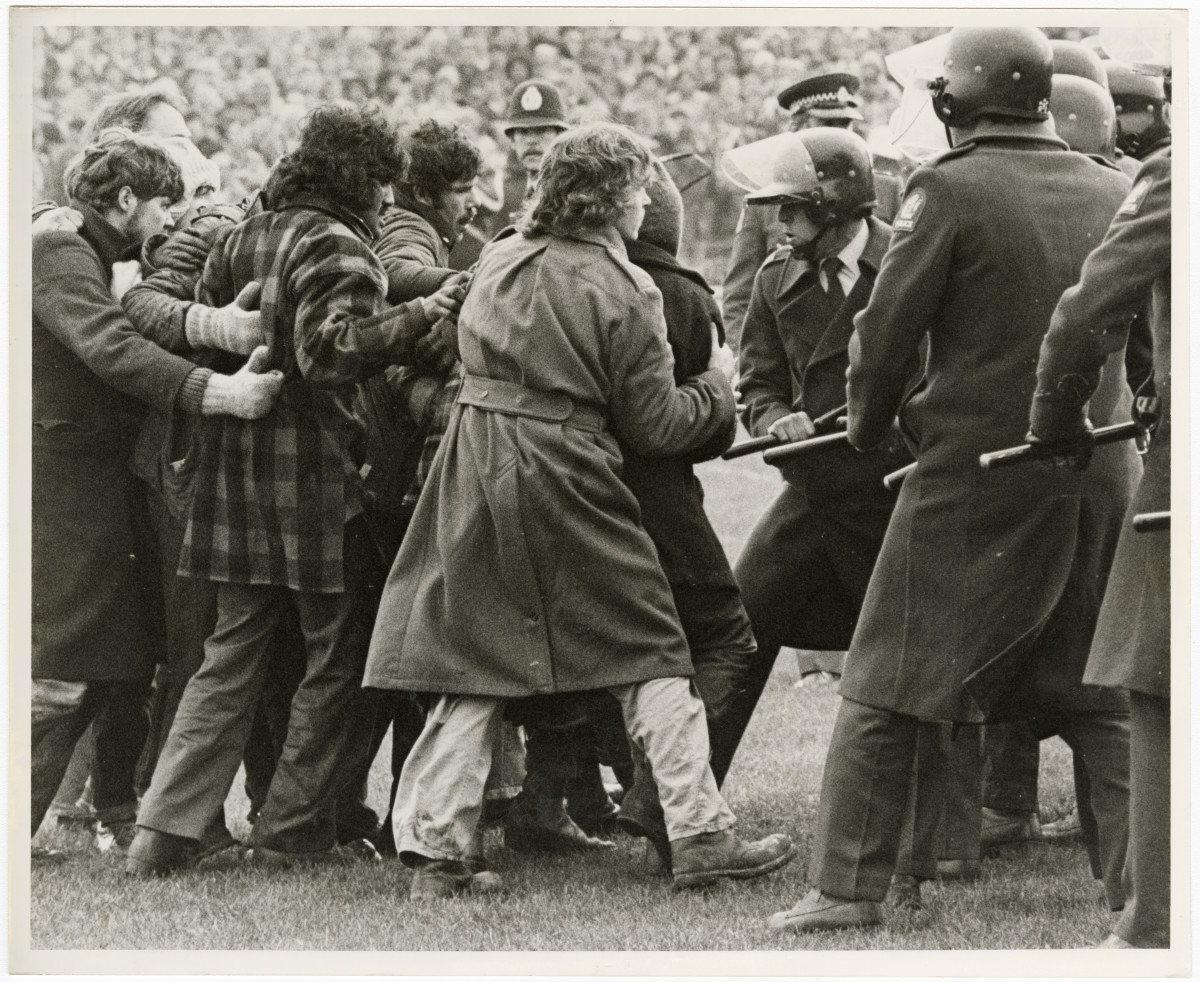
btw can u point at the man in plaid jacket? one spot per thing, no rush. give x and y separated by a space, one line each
275 517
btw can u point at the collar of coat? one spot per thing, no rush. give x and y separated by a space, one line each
646 255
878 236
343 214
110 244
407 200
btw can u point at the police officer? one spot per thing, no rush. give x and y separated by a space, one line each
1143 110
535 116
982 603
804 570
824 100
1131 267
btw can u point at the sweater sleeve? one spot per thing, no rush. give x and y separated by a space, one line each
409 257
71 300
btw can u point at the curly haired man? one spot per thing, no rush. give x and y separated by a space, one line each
275 517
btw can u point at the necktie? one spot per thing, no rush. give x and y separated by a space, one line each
831 267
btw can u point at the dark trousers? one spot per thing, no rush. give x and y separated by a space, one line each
61 713
1146 921
204 749
865 794
943 818
1010 767
803 575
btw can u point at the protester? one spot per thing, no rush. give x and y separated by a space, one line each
569 336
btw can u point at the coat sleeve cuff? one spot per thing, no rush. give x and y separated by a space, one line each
191 394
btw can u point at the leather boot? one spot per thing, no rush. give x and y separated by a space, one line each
545 826
641 812
700 860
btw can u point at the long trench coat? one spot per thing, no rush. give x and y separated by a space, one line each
525 569
984 599
96 611
1132 647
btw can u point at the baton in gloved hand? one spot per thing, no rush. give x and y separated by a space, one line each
1152 521
823 424
1027 452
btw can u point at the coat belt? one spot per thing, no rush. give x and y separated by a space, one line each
514 399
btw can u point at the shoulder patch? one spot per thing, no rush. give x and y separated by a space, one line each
1133 202
910 211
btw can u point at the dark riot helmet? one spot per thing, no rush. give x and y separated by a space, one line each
1141 108
1084 115
994 71
826 170
1073 58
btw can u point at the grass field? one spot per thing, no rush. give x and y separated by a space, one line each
1036 896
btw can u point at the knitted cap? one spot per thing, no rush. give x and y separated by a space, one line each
663 224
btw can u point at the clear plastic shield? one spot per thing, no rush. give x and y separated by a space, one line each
752 167
1147 47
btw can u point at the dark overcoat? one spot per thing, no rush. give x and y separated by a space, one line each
984 598
93 377
759 232
1132 646
669 493
525 569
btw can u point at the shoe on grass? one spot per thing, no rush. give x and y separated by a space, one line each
1002 828
115 837
43 855
339 854
155 853
700 860
79 813
438 879
641 816
1067 827
905 892
818 911
549 830
959 869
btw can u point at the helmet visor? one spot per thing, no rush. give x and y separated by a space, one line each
772 166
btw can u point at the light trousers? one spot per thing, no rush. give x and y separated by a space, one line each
440 797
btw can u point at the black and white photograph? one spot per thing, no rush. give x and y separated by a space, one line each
581 491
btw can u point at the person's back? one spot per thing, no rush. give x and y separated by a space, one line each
1025 216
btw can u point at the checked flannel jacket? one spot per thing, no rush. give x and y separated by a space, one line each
272 495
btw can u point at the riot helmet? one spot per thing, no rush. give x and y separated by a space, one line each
825 170
1073 58
1140 101
994 71
1084 115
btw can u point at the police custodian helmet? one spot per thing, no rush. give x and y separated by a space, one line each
994 71
826 170
534 104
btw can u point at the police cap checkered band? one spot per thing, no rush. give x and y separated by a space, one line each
833 91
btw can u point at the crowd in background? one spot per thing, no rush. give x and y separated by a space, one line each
699 90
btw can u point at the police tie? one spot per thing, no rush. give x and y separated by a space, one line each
831 267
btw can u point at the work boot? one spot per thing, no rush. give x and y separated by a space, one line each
959 869
818 911
437 879
588 802
699 860
339 854
545 826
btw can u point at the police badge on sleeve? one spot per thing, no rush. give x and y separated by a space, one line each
910 211
1133 201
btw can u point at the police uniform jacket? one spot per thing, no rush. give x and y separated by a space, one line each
759 233
794 358
984 598
1132 644
95 614
525 569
